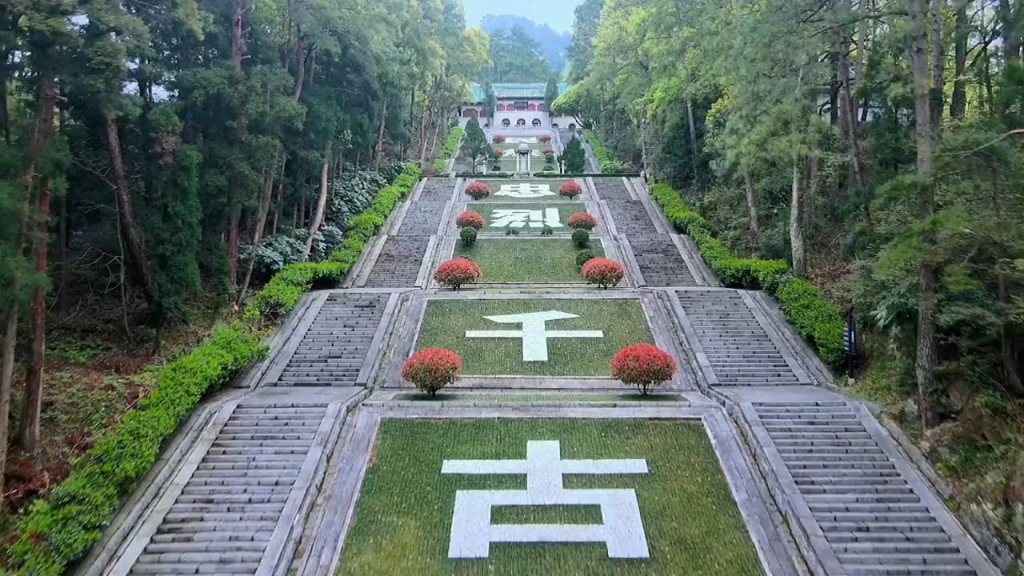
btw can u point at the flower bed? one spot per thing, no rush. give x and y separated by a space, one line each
603 272
643 366
477 190
582 221
457 272
470 219
432 369
570 189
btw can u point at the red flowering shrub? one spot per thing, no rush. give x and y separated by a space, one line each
432 369
603 272
456 272
643 366
477 190
470 220
545 138
498 152
582 221
570 189
549 150
498 139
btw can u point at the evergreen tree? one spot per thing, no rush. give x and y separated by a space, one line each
575 157
474 143
550 94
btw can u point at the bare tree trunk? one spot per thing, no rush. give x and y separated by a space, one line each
755 225
28 434
423 131
300 51
958 103
693 142
129 226
261 221
850 118
938 65
917 14
321 205
279 202
380 134
62 256
796 232
1011 35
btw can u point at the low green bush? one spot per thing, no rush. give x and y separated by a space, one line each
814 318
451 144
584 256
581 238
600 152
468 237
547 231
61 528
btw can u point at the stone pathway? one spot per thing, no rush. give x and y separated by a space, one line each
822 487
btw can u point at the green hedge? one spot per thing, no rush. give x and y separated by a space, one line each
813 317
61 528
283 291
450 146
600 152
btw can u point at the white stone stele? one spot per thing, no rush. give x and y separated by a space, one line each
621 530
524 190
534 333
522 218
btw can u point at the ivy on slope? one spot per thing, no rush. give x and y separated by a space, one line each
59 530
813 317
450 146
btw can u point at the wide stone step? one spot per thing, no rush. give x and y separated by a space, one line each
910 570
207 558
221 569
895 548
179 517
850 481
867 507
196 527
775 427
206 546
243 537
850 498
903 559
886 527
863 489
840 436
891 517
935 538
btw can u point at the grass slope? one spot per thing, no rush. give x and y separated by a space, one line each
446 322
403 518
539 261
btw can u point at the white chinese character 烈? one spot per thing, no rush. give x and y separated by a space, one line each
621 530
521 218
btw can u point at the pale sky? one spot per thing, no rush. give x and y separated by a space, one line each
555 13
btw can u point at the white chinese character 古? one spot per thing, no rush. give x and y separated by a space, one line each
521 218
534 333
524 190
621 530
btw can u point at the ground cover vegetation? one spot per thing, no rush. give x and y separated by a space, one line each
850 155
161 165
684 481
623 322
529 261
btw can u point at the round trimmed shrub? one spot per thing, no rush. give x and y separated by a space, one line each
477 190
468 236
498 139
470 219
643 366
603 272
582 221
549 158
584 256
456 272
570 189
545 138
432 369
581 238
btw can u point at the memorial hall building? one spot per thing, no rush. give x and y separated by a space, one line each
518 106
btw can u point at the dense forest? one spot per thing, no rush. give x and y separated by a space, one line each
160 161
876 147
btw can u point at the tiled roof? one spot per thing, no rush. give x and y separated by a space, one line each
511 91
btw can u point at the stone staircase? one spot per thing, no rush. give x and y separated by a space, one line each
738 349
871 517
227 513
399 262
334 348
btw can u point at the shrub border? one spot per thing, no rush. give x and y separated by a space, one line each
817 320
450 146
61 528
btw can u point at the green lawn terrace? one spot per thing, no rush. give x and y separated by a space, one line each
690 522
524 190
529 219
578 341
511 260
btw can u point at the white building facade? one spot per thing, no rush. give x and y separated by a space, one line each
519 107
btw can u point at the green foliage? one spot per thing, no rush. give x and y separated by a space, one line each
581 238
60 529
468 237
813 317
451 145
283 291
510 231
547 231
475 145
584 256
575 157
